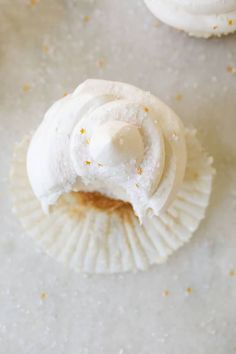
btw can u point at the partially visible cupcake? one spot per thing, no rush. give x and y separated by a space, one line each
199 18
111 181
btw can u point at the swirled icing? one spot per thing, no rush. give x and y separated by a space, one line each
201 18
112 138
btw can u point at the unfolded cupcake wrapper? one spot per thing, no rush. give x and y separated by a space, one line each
94 235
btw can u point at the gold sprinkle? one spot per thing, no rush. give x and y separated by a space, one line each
139 170
146 109
87 141
179 97
231 22
231 273
44 296
189 290
165 293
86 19
101 63
45 48
34 2
82 131
215 27
65 94
88 163
26 87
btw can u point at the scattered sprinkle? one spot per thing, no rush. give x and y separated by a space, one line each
231 22
139 170
87 162
157 24
45 48
146 109
86 19
179 97
82 131
232 273
174 137
189 291
101 63
165 293
44 296
87 141
34 2
65 94
26 87
231 69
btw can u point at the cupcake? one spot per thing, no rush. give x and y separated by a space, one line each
111 181
199 18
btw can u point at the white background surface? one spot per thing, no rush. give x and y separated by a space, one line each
51 48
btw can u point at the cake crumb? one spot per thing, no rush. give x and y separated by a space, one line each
65 94
44 296
165 293
99 201
87 141
34 2
232 273
231 69
139 170
214 27
146 109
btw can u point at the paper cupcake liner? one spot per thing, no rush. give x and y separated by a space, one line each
93 234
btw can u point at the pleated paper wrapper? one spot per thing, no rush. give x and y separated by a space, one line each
92 234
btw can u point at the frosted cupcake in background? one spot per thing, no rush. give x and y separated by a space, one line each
111 181
200 18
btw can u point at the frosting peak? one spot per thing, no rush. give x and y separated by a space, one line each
116 142
112 138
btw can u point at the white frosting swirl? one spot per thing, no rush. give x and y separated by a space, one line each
201 18
112 138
